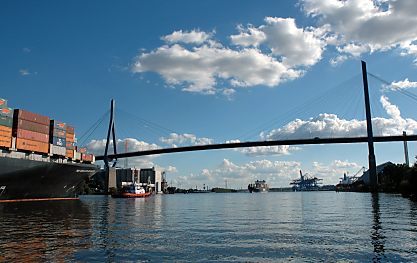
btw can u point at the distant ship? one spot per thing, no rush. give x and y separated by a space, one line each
258 186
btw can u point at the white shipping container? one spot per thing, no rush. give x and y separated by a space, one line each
77 155
57 150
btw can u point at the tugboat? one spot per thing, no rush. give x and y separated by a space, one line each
132 191
258 186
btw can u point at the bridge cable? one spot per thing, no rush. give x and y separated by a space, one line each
93 128
400 90
296 111
143 123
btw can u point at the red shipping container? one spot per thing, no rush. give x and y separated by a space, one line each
5 141
33 146
30 126
87 157
31 135
30 116
82 150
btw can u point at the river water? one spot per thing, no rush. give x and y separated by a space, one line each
234 227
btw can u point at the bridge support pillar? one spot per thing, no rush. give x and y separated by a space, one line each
111 183
373 179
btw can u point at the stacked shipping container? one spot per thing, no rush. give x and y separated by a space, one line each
6 123
31 131
70 138
58 135
26 131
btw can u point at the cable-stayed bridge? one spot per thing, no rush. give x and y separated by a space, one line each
369 139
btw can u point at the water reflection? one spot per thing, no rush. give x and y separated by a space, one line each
378 239
43 231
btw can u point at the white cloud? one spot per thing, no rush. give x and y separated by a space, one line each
331 126
403 84
24 72
171 169
330 173
26 50
367 26
194 36
249 36
176 140
97 147
228 93
295 46
278 50
338 60
198 69
265 150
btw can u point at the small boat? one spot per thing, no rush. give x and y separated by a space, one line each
132 191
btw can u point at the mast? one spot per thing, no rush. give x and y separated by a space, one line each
373 180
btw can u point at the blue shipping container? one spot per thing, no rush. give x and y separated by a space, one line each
7 112
58 125
59 133
6 121
59 141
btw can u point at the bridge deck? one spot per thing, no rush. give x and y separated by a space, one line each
261 143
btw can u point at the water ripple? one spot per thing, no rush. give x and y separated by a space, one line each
273 227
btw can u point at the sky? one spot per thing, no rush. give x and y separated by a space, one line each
199 72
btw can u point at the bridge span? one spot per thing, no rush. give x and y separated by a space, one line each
399 138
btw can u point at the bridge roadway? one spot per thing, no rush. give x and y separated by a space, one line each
261 143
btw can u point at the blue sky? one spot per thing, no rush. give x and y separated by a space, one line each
216 71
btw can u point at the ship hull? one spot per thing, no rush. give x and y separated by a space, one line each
22 179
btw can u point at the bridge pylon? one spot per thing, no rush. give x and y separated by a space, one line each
373 179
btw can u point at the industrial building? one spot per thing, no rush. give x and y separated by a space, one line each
150 177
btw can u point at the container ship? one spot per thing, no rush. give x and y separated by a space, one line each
258 186
38 157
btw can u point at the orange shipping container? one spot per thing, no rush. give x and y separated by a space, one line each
31 135
5 134
70 154
70 137
5 141
5 129
33 146
30 116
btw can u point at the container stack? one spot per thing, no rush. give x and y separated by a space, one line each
31 131
6 123
86 157
58 135
70 138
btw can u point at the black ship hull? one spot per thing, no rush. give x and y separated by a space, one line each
22 179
